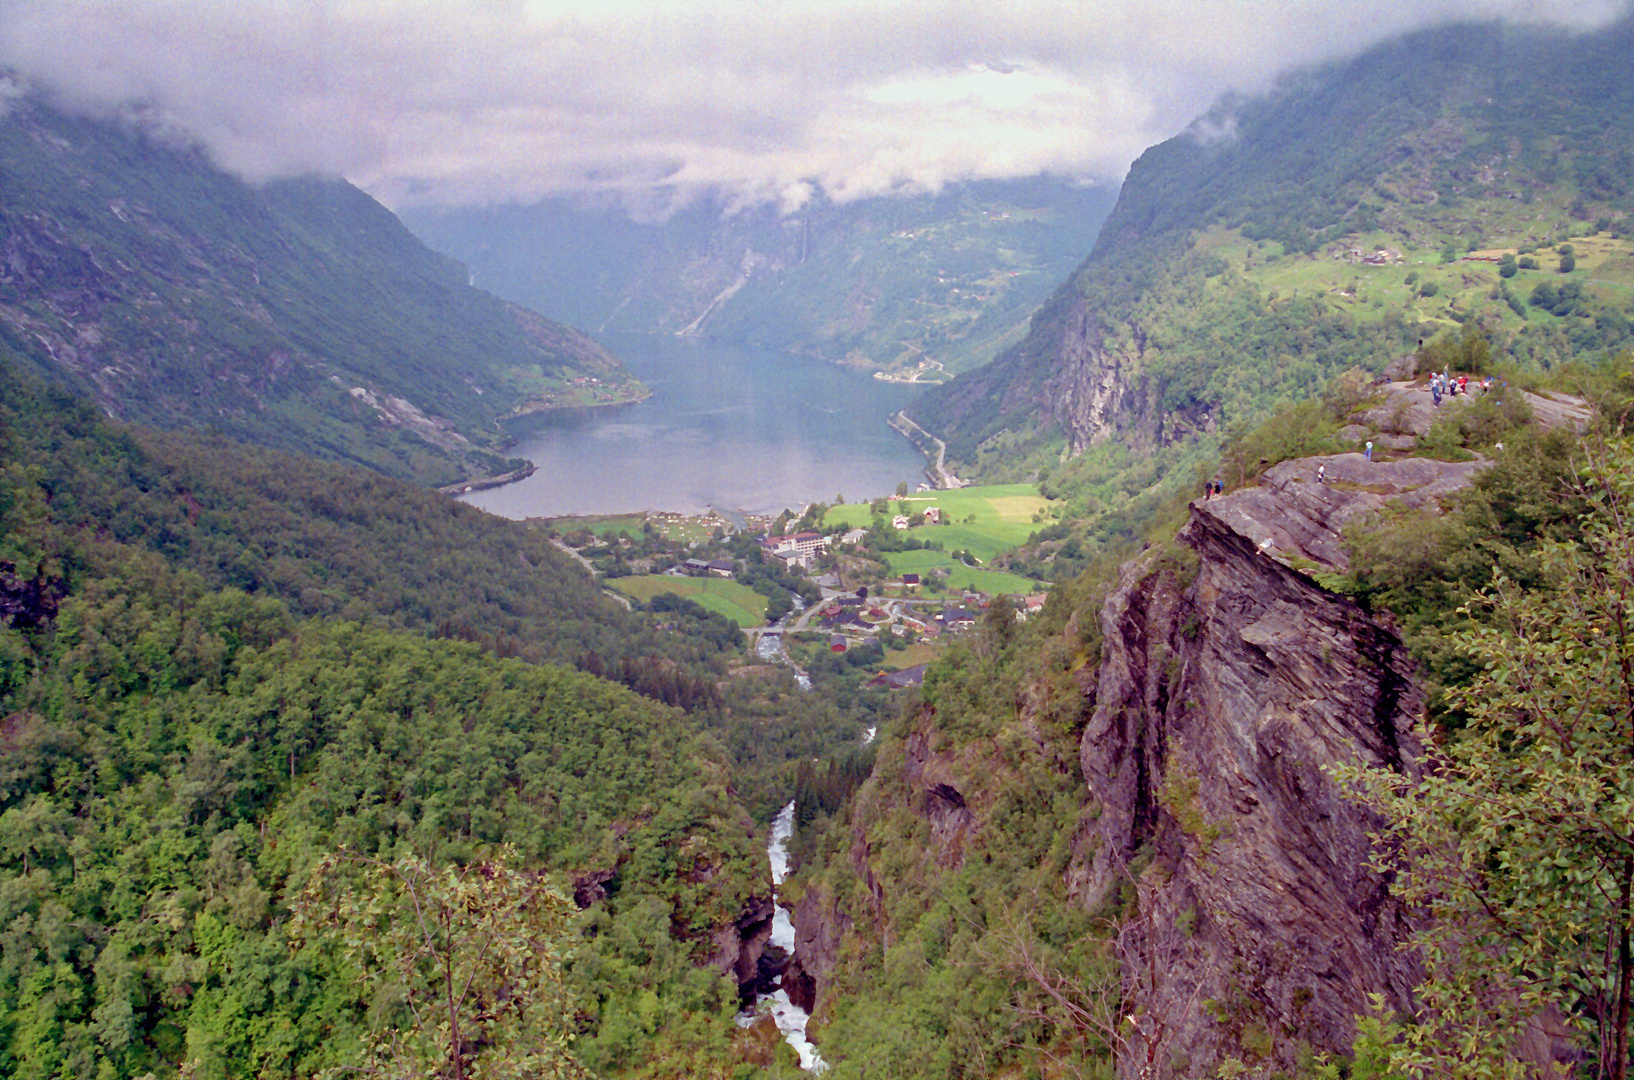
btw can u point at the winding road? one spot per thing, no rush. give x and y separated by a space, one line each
591 570
938 469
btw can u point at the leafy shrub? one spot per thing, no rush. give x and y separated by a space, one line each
1294 430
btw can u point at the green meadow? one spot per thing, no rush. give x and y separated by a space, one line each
737 602
983 520
960 576
601 526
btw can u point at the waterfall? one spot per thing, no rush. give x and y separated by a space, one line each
790 1018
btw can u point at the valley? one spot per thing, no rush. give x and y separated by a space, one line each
394 680
910 288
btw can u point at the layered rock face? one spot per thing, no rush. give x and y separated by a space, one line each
1092 392
1229 683
1098 390
743 949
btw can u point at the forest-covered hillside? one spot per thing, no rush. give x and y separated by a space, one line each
224 670
299 315
1118 840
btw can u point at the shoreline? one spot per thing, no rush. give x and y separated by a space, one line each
483 483
540 409
935 469
486 483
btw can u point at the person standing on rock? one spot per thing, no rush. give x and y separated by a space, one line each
1367 454
1322 473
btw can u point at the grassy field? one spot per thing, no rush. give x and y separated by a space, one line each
600 527
960 576
737 602
671 526
1003 517
918 653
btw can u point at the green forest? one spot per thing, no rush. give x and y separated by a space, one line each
224 669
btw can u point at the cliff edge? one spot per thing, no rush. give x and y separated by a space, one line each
1229 682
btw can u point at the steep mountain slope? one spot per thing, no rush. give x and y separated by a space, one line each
300 315
1352 213
914 286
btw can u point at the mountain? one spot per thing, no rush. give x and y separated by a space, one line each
1112 839
1354 212
912 286
300 314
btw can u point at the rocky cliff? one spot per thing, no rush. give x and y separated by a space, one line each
1230 682
1200 823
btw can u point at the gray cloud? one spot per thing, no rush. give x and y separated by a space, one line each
506 101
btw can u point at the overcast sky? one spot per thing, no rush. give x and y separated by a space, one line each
481 101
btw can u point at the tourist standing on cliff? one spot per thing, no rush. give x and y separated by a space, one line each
1322 473
1368 453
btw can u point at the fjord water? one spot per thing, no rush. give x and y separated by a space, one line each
729 426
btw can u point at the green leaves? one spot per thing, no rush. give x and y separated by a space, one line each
1516 844
465 963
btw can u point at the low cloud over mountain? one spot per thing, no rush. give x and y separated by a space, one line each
500 101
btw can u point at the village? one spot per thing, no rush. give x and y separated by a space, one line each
878 601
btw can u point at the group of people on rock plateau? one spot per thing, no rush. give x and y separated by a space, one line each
1444 384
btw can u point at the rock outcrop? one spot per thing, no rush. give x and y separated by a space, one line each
1409 409
1230 682
1294 516
932 775
820 930
741 947
1094 390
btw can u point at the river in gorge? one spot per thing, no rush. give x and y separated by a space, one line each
729 426
789 1017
